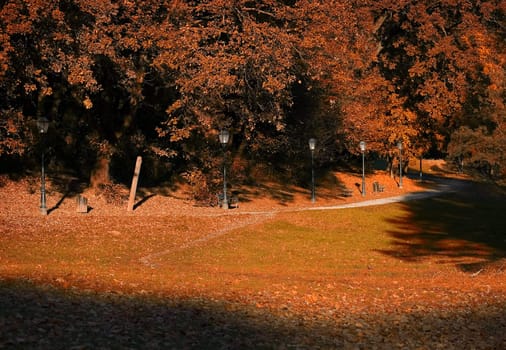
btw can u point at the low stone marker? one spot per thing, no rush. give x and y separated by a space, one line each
82 204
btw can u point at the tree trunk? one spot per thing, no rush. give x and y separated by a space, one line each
100 173
405 165
391 166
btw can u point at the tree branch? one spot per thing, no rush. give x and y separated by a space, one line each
270 14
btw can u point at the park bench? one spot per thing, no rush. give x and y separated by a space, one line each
233 200
377 187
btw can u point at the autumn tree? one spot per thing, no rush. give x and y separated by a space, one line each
233 66
104 71
416 72
446 61
161 78
82 64
341 47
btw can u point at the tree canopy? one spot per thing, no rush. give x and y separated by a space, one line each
161 78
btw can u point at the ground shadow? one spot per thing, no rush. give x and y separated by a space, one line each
465 227
284 194
143 200
68 186
42 317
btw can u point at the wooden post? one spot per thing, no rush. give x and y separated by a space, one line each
135 180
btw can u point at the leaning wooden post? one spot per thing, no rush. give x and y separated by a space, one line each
135 180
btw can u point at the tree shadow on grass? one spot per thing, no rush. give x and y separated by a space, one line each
282 194
327 186
43 317
465 227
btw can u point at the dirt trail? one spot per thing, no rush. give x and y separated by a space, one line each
252 220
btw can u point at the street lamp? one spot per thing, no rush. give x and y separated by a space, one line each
362 149
399 146
224 137
42 126
312 145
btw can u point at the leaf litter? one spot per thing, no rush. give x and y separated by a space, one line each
90 297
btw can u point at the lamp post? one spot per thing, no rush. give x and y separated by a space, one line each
362 149
224 137
312 145
399 146
42 126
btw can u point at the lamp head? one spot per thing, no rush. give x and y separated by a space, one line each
224 137
42 125
362 146
312 144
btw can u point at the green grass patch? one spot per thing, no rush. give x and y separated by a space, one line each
330 242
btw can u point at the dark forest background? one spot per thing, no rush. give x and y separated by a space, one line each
160 79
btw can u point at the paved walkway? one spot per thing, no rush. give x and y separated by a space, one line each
380 201
366 203
444 185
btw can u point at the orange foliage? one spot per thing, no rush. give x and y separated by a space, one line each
379 71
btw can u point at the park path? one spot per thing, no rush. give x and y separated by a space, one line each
256 217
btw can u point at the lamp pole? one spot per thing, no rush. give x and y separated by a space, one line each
224 137
362 149
399 146
312 145
42 126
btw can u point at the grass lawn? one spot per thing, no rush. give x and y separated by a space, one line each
422 274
